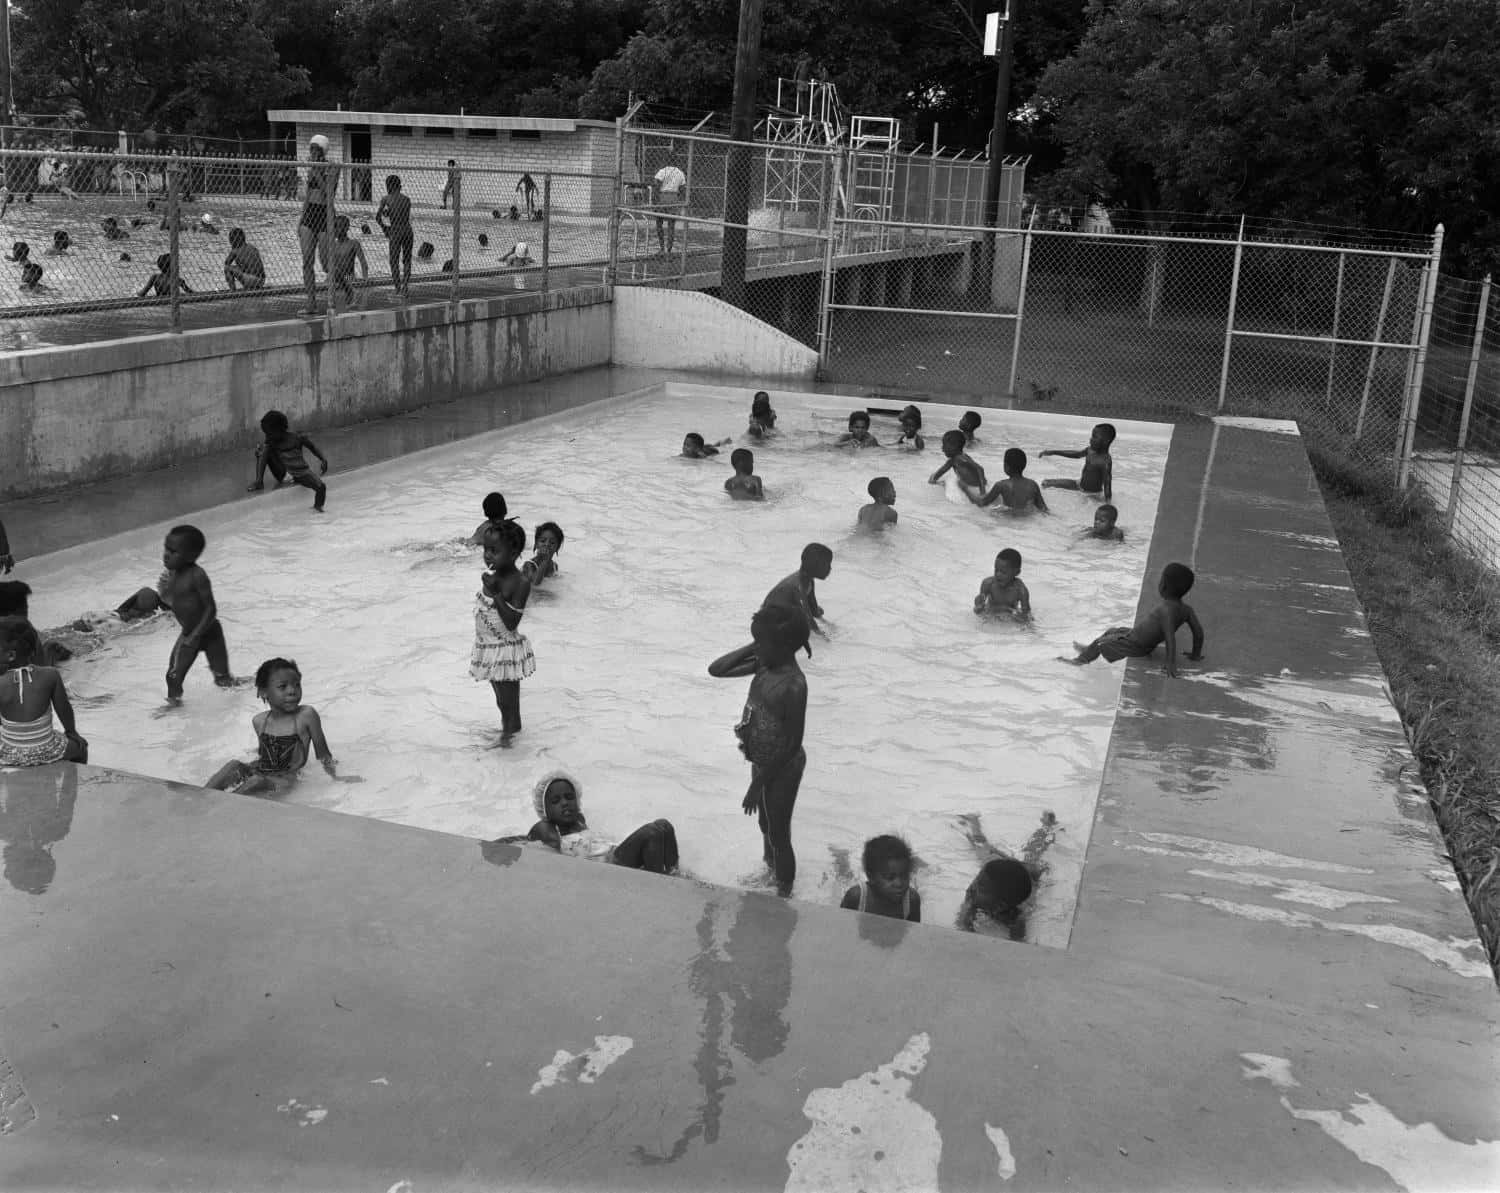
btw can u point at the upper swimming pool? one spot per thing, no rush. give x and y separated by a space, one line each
919 713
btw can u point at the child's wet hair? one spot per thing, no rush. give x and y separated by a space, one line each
782 624
1014 460
1107 432
859 416
190 537
508 533
816 553
882 849
1011 556
544 528
269 668
761 402
970 419
877 486
19 636
693 438
1109 511
1176 580
1007 881
494 507
273 422
14 595
953 442
912 415
743 459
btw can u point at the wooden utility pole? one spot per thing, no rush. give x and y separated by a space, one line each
741 131
7 92
997 140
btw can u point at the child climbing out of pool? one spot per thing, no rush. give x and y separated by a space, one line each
858 434
159 284
800 589
887 889
557 799
1018 492
1005 884
1005 592
1104 525
970 475
762 416
493 506
694 447
1157 627
911 430
186 591
342 258
29 696
744 485
771 728
546 544
286 731
281 452
1098 465
394 217
881 512
502 655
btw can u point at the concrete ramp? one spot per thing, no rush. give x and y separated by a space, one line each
683 329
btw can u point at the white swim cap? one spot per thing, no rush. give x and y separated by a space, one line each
521 249
208 218
320 141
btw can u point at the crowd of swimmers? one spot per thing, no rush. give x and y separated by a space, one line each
770 731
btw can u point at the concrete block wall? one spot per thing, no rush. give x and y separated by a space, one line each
69 416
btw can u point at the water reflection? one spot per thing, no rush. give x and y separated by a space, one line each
36 812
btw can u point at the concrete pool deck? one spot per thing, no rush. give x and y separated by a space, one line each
1272 982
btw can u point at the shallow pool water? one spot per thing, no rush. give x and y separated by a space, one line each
920 713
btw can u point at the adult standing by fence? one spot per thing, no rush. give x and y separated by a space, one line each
670 185
314 228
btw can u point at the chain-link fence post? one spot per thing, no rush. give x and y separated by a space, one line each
174 230
825 300
1376 338
324 248
1475 353
1333 343
1419 367
1015 349
612 268
547 229
457 175
1234 298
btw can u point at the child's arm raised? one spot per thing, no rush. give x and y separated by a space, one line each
982 601
1065 453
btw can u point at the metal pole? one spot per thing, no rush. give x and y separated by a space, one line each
547 229
326 236
996 166
1333 349
1234 296
1414 396
1015 348
1463 422
173 226
7 94
240 149
458 228
932 174
612 268
687 228
1385 302
826 299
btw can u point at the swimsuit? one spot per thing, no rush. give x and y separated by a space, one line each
210 643
280 758
1119 643
500 655
864 899
30 743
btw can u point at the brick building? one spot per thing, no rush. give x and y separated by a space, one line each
579 154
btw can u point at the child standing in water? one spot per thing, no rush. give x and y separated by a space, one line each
911 430
744 485
29 695
799 588
887 889
881 512
502 655
858 434
187 592
1098 464
970 475
1104 525
286 731
762 417
771 728
1158 626
1020 493
1005 592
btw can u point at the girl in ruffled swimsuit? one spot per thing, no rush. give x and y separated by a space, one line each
285 732
502 655
29 695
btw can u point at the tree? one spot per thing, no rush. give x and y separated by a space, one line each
178 65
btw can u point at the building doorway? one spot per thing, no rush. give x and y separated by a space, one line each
359 151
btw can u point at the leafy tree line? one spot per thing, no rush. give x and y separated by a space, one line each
1376 112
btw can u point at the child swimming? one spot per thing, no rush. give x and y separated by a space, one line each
286 731
187 592
547 543
1005 592
858 434
1019 493
744 485
1104 525
1000 891
502 655
911 430
762 417
694 447
970 475
494 509
887 889
29 696
968 424
1158 626
881 512
1098 464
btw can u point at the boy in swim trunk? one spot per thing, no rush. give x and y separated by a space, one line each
1098 465
394 217
187 592
282 454
342 259
1158 626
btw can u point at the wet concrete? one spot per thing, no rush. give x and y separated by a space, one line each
1271 983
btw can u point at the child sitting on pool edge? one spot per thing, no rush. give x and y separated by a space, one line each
547 542
1158 626
558 801
744 485
881 512
29 696
887 889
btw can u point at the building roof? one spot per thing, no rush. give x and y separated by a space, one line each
543 124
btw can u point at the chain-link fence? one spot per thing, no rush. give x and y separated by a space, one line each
104 245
